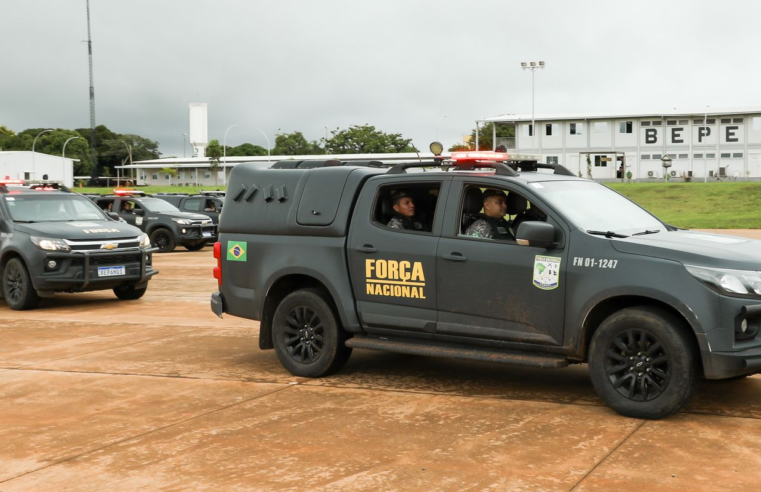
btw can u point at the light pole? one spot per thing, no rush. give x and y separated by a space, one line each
268 145
224 155
184 136
326 139
532 66
705 155
63 159
34 142
129 151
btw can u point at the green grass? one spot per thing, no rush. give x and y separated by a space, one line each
699 205
735 205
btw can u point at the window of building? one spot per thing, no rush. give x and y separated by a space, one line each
528 130
711 156
671 122
601 127
552 129
684 156
738 120
697 156
684 122
207 174
726 120
737 155
725 155
757 122
601 161
155 176
625 127
27 176
181 175
657 156
167 176
644 123
657 123
552 159
672 156
709 121
575 128
393 205
644 156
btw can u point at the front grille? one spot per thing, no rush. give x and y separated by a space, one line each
108 260
98 244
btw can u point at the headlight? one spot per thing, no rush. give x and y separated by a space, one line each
50 244
145 241
183 221
739 283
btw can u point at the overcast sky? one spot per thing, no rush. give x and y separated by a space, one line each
414 67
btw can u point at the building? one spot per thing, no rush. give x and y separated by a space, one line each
36 166
719 144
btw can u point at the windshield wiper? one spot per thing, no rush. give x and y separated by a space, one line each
608 234
646 232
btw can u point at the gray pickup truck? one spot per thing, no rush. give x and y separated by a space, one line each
486 258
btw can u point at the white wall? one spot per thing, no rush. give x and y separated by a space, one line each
16 165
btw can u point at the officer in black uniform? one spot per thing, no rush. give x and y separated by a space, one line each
492 224
404 212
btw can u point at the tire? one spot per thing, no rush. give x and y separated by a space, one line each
163 239
642 364
195 247
128 292
304 321
18 290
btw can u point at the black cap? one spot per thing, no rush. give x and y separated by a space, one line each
489 193
398 195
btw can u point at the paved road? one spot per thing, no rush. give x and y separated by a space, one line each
158 394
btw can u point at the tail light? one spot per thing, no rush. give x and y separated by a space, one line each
218 256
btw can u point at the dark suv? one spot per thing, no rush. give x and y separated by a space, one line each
203 203
164 223
53 240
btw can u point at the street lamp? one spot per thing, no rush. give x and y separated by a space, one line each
666 163
184 136
63 158
129 151
705 155
268 145
224 155
533 67
33 144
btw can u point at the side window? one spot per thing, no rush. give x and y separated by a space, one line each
106 205
129 207
194 204
495 213
409 207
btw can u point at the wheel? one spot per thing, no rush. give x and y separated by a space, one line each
195 247
308 339
18 290
128 292
642 364
163 240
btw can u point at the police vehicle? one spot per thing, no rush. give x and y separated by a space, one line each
206 203
164 223
53 240
573 272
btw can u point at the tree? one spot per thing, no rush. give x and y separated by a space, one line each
485 136
171 171
366 139
246 149
214 152
295 144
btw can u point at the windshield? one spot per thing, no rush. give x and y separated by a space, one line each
45 207
592 206
157 205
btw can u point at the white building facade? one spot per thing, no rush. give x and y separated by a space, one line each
721 144
27 166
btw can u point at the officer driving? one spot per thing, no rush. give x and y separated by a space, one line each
491 224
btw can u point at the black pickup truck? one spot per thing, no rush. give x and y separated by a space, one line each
205 203
487 257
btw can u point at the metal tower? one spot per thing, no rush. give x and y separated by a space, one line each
93 154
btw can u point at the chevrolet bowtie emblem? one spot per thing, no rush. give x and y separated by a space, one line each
109 246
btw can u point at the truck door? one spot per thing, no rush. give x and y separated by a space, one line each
393 270
494 288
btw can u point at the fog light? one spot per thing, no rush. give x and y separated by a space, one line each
183 231
52 264
744 325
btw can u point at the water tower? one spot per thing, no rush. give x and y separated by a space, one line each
199 136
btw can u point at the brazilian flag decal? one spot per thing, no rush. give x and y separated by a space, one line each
236 251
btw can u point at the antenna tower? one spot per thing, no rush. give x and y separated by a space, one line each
93 155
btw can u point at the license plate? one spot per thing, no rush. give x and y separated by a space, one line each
113 271
206 233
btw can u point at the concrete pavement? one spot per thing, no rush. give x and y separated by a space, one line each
159 394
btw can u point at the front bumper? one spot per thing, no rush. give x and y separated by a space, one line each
729 364
79 271
195 234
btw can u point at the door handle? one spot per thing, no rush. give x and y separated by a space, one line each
367 248
455 257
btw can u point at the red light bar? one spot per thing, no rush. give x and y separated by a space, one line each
11 181
478 156
127 192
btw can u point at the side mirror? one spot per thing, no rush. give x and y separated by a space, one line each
535 233
138 211
114 216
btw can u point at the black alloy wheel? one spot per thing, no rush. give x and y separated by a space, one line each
163 240
18 290
304 335
637 365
